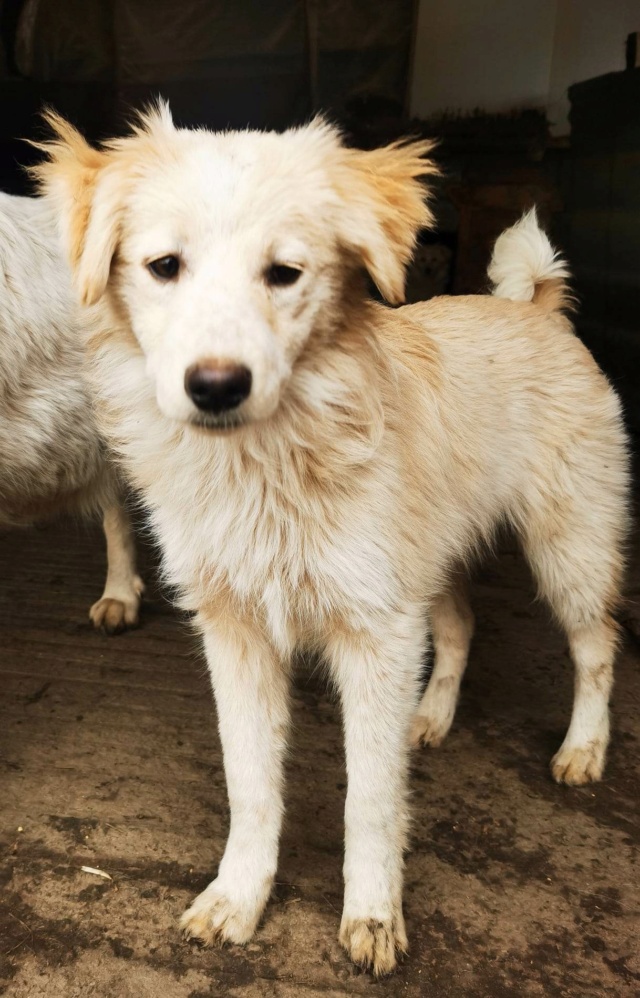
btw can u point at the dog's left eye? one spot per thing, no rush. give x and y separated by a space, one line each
281 275
166 268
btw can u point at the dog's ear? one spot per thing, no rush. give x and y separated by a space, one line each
87 188
75 178
384 207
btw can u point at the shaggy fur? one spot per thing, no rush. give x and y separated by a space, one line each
377 451
51 456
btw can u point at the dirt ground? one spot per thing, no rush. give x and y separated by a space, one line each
109 758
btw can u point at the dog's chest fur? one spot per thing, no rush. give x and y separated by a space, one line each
299 536
298 551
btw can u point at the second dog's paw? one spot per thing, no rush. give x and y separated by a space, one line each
113 614
215 918
372 944
579 764
429 730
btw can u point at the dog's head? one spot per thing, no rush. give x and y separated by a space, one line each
227 252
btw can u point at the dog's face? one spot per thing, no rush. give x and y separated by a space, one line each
226 264
228 252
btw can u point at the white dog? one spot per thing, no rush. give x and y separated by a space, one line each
52 459
319 467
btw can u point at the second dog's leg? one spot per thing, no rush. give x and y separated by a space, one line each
452 623
377 675
251 688
119 605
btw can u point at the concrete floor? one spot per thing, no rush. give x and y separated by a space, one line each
109 758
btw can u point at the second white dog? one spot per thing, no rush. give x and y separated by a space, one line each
52 459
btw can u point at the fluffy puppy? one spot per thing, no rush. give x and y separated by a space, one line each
52 458
318 467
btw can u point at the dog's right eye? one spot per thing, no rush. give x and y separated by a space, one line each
165 268
281 275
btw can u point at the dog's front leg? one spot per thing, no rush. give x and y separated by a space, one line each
377 674
251 688
119 605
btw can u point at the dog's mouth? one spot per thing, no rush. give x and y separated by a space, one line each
218 424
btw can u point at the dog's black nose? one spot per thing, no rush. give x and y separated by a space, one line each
217 386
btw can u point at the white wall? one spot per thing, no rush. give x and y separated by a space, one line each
491 54
499 55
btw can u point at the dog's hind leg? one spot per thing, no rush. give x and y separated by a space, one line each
573 543
119 605
581 757
452 625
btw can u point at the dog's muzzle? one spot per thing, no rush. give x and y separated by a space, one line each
217 386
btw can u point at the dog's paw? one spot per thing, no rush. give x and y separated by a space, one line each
435 714
431 729
579 764
215 918
113 614
374 945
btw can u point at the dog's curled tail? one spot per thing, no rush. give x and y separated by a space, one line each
525 266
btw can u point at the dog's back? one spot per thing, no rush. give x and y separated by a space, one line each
50 455
512 402
35 287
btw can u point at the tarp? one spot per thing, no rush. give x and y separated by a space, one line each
341 48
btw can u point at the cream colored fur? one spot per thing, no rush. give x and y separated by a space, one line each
523 259
52 459
378 451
